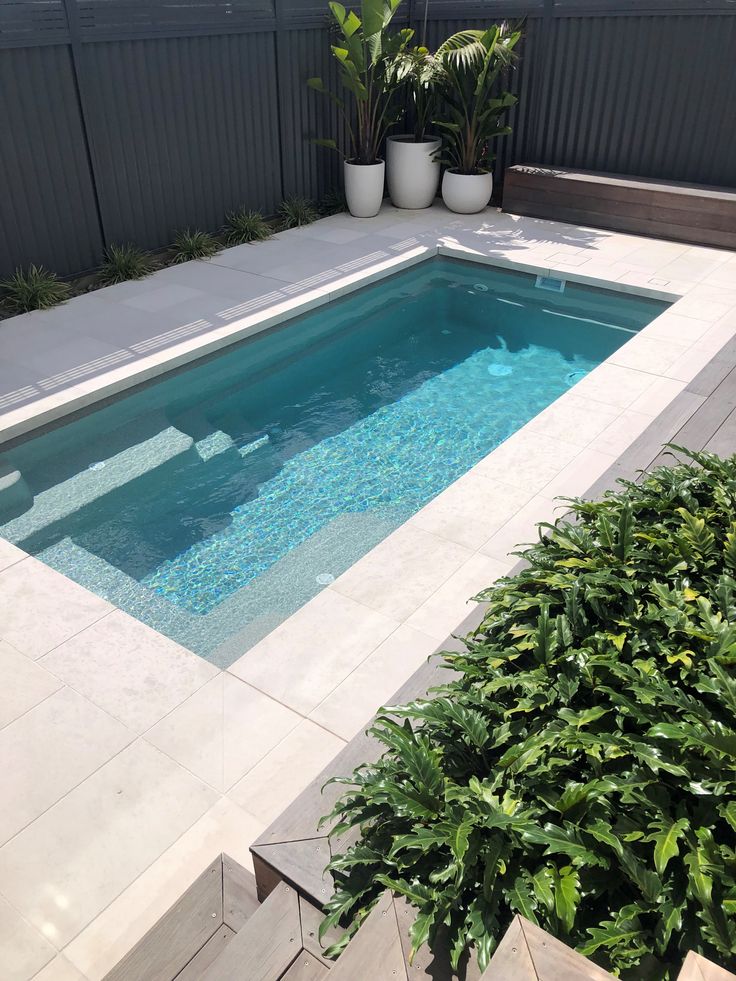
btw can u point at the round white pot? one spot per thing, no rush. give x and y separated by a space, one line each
364 188
466 193
413 176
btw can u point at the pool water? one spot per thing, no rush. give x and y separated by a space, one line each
214 503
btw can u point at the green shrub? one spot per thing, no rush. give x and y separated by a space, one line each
579 768
295 211
194 245
124 262
246 226
32 289
333 202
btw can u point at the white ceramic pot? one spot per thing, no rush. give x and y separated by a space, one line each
466 193
412 174
364 188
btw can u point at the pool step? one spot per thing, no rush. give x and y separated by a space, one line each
100 478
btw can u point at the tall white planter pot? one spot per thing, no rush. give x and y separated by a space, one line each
413 175
364 188
466 193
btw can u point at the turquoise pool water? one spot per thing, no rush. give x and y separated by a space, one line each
214 503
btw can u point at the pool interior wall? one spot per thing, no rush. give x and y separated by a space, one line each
214 503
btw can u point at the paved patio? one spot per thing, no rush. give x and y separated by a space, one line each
130 762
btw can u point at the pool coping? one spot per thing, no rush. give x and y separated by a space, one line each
354 636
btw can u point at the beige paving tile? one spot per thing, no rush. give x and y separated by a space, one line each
270 786
225 827
651 354
614 385
50 750
470 510
129 670
439 615
63 869
671 326
349 707
579 475
574 419
527 460
23 950
9 554
59 969
658 396
397 576
23 683
621 433
521 531
42 609
223 730
702 304
301 661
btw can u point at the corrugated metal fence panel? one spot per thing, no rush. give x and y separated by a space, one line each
639 95
305 114
183 130
47 205
194 107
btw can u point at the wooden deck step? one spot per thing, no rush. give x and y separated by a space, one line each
681 212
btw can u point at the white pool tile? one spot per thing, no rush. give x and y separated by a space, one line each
23 950
60 969
614 385
527 460
398 574
129 670
521 530
48 751
306 657
10 554
350 706
281 776
223 730
582 473
41 608
81 853
682 330
621 433
23 683
470 510
442 611
574 419
223 828
650 354
657 397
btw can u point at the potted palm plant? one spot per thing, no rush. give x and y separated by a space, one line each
471 63
413 169
366 54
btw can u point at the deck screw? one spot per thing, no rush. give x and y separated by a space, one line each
513 950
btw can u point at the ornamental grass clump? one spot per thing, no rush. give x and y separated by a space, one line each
578 765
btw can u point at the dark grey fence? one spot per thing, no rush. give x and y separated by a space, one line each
125 120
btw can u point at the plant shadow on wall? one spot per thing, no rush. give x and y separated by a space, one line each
578 768
381 73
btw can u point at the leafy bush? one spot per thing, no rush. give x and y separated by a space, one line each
579 766
33 289
333 202
194 245
246 226
124 262
295 211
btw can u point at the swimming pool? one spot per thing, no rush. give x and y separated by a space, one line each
214 503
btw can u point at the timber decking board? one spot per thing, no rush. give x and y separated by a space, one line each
681 212
207 955
307 968
179 935
266 946
239 899
375 952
